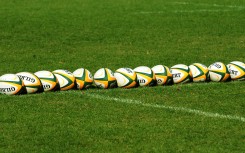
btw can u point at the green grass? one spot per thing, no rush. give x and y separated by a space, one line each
48 35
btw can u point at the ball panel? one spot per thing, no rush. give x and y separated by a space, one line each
104 78
10 88
195 71
80 84
88 77
218 67
48 80
168 72
133 84
79 73
226 77
216 77
151 75
145 80
45 75
131 77
181 67
11 84
50 85
218 72
162 74
101 84
159 70
180 73
202 67
122 80
65 82
11 78
145 76
84 78
101 75
161 80
128 72
87 85
31 81
201 78
144 70
65 78
240 64
126 78
110 75
183 76
237 72
199 72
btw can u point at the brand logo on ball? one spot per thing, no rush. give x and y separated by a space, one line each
46 86
7 89
32 80
233 72
159 81
181 73
218 75
236 70
128 70
68 72
217 65
142 81
177 75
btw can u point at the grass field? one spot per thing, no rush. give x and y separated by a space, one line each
58 34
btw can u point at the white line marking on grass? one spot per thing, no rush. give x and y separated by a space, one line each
149 12
173 108
222 8
201 10
183 11
206 4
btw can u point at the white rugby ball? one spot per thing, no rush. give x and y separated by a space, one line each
237 70
84 79
218 72
126 78
66 79
11 84
49 80
145 76
104 78
199 72
163 75
181 73
31 82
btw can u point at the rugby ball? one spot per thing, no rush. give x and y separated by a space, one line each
181 73
218 72
199 72
84 79
65 78
49 80
11 84
163 75
104 78
126 78
237 70
145 76
31 81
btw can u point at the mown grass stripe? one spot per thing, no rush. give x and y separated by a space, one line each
173 108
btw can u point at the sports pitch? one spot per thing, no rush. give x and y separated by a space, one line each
59 34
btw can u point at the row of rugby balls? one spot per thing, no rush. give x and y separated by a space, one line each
25 82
